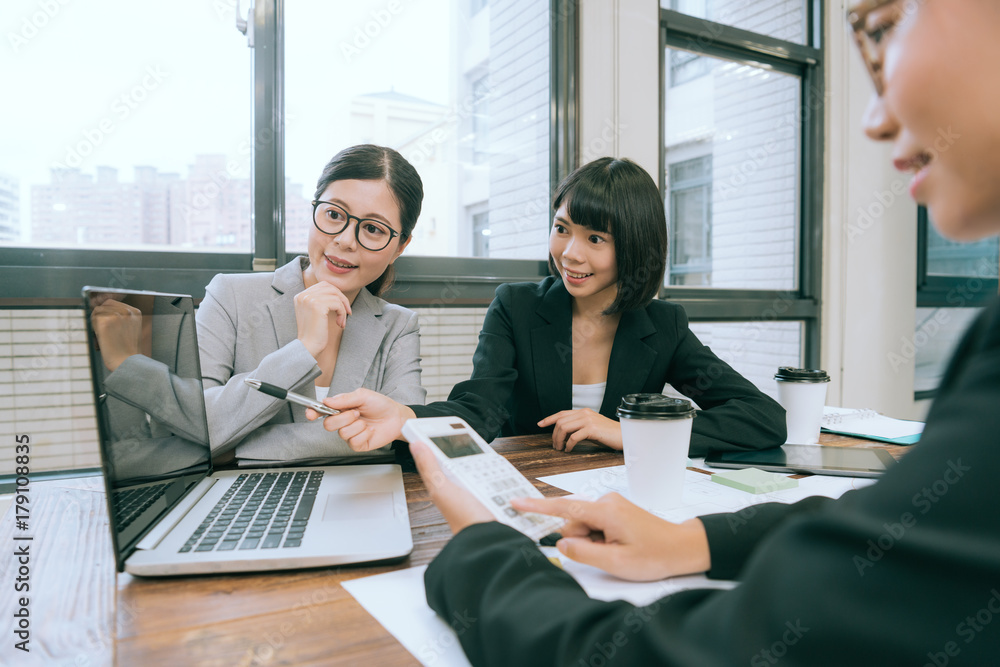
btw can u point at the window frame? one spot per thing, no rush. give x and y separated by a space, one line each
676 186
937 291
803 304
54 276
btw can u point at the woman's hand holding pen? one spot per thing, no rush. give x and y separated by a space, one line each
574 426
367 420
314 308
624 539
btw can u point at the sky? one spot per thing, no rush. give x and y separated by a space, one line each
124 83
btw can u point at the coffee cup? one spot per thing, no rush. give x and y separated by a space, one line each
656 434
802 392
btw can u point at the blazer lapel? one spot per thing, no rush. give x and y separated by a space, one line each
552 350
287 282
631 359
360 345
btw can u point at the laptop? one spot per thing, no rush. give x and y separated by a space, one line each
169 511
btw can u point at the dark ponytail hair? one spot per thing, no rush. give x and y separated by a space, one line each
367 162
619 197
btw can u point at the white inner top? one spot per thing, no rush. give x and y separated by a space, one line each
589 396
321 393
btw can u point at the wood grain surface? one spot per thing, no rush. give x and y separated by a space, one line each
83 614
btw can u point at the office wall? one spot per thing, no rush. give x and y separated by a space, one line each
870 248
869 221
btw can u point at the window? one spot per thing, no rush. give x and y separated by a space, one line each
690 222
462 91
954 280
787 20
742 176
150 151
481 121
207 170
481 234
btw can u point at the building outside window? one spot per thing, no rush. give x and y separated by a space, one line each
735 128
690 221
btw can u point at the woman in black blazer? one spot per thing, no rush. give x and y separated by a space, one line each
558 355
903 572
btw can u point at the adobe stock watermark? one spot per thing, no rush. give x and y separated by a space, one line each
603 652
779 649
304 613
958 297
923 501
603 144
426 145
432 650
31 26
883 200
749 333
757 157
221 179
538 208
364 35
122 107
968 629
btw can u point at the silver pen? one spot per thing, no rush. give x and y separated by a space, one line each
285 395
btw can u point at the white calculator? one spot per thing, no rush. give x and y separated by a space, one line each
469 461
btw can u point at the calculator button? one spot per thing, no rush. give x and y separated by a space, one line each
498 500
510 511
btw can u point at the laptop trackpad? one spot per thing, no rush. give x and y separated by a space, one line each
353 506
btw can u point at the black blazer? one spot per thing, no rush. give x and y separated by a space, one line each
523 372
903 572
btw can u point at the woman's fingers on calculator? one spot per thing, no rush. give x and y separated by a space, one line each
574 509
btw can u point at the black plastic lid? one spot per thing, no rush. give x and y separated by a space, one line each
789 374
654 406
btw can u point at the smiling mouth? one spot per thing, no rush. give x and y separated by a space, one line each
578 276
340 265
914 164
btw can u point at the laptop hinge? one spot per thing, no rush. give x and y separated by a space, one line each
153 538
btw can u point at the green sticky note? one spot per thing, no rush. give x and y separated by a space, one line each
754 480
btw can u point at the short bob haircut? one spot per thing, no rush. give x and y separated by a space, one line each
367 162
618 197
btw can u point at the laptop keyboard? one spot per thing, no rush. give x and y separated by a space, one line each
130 503
259 511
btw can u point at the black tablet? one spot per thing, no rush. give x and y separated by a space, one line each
814 459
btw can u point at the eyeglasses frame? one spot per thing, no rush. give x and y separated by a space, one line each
357 227
856 16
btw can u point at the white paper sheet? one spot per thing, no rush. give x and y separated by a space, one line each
398 601
701 495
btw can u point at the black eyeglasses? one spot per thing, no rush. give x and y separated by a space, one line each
871 39
372 234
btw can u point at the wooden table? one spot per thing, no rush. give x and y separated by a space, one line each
84 613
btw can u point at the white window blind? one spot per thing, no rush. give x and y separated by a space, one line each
45 390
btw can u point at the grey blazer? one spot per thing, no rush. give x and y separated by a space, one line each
246 328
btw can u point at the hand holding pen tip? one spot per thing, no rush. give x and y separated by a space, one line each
285 395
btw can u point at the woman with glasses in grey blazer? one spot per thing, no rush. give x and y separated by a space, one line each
316 326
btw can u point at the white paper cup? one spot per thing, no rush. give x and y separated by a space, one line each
802 392
656 434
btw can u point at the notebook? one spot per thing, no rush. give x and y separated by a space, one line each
169 511
863 423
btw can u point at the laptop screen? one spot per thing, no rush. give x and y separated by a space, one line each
149 404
